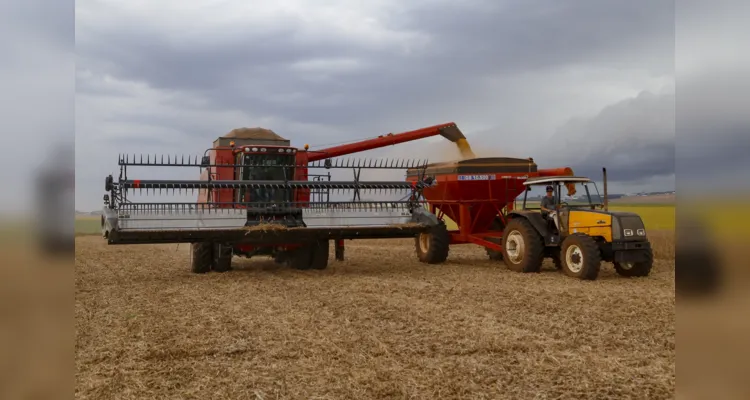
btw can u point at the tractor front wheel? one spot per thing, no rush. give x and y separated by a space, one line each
523 246
201 257
634 269
581 257
432 247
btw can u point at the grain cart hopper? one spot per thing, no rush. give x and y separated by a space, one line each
257 196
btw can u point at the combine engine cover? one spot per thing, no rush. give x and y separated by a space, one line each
269 204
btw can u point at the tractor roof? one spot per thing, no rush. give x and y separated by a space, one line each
552 179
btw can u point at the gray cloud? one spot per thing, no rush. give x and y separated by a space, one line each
509 73
634 139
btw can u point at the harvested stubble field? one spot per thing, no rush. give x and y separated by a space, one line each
379 325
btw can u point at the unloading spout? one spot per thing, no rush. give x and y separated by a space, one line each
449 131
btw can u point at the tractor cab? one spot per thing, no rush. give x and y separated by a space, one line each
578 234
568 193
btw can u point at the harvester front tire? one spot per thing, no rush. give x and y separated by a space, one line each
637 269
433 247
300 258
222 258
320 254
201 257
581 257
523 246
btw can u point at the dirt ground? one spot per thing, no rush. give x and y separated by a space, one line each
378 325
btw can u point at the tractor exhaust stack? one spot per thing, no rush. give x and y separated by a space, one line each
606 195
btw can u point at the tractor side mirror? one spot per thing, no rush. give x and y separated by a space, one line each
205 161
528 188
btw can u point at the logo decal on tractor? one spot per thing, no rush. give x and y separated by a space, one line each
600 222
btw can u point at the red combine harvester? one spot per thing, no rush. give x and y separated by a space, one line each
257 196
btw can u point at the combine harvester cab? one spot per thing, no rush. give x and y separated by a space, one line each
257 196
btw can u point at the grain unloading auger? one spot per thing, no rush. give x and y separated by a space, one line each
256 196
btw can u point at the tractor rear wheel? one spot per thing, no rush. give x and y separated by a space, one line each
201 257
581 257
642 268
497 226
523 246
320 252
432 247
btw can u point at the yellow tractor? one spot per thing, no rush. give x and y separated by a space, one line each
577 232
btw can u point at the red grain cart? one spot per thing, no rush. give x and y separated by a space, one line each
477 194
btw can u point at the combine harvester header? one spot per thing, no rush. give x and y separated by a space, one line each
257 196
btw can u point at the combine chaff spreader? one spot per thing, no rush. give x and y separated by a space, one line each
257 196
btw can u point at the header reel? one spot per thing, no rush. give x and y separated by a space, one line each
262 211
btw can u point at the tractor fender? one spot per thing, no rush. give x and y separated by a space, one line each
536 220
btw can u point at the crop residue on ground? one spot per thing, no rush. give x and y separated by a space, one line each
378 325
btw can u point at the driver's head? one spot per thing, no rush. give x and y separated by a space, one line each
550 191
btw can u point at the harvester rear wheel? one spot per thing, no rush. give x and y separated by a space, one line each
495 255
581 257
523 246
636 269
201 257
320 253
432 247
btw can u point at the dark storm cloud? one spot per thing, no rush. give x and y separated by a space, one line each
634 139
466 43
510 37
447 62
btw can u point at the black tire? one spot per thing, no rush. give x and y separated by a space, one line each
201 257
320 254
520 232
495 255
581 257
433 247
222 258
300 258
637 269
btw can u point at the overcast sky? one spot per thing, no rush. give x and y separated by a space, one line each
581 83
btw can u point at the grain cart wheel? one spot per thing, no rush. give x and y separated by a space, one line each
222 258
581 257
632 269
497 225
320 252
201 257
523 246
432 247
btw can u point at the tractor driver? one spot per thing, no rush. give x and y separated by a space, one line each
548 202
